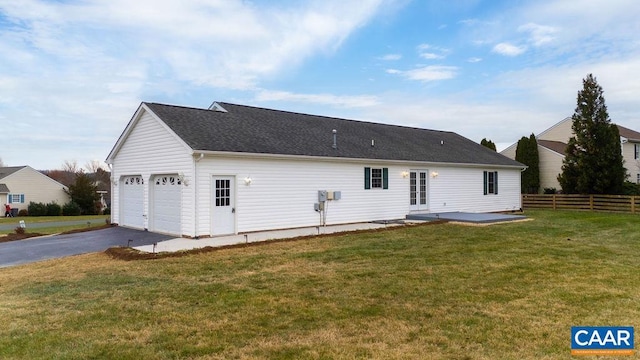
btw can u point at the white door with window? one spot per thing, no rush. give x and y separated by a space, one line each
132 201
418 190
223 215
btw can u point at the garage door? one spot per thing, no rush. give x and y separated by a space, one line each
132 201
166 208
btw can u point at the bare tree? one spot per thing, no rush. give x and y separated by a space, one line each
71 167
92 166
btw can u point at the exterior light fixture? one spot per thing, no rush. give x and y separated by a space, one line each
405 174
248 180
434 174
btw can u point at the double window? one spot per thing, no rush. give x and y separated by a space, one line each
491 183
376 178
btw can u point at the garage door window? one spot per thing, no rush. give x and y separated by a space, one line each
168 180
134 180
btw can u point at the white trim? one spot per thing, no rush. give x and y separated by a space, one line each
349 160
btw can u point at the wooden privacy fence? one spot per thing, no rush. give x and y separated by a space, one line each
614 203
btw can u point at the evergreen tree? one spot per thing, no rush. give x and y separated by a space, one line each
83 193
527 153
593 163
488 143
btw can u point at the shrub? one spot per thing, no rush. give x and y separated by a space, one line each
630 188
53 209
20 230
550 191
23 212
71 209
37 209
106 211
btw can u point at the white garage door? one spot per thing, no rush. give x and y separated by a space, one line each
132 201
166 209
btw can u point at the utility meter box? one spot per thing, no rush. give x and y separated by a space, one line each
329 195
337 195
322 195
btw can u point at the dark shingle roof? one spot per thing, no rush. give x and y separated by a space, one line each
4 189
6 171
249 129
628 133
556 146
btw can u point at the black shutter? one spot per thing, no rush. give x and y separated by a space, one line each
495 182
385 178
486 183
367 178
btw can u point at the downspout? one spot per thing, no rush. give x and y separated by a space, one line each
196 233
111 194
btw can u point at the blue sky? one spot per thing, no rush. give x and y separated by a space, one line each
72 73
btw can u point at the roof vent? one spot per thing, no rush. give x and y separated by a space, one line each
373 143
335 138
216 107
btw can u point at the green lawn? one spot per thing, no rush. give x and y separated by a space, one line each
96 220
508 291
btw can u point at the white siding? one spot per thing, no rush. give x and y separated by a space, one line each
550 167
36 187
151 149
462 189
632 164
282 192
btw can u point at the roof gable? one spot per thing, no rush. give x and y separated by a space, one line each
9 170
556 146
142 109
628 133
246 129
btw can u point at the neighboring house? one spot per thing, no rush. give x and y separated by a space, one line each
232 169
20 185
552 144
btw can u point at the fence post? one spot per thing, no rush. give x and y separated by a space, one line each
633 204
554 201
591 202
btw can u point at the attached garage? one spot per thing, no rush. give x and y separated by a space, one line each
132 201
166 192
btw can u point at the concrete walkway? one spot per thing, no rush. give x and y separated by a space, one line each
189 244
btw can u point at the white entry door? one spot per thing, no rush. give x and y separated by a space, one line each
418 190
132 201
223 215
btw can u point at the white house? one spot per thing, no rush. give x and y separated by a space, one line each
20 185
233 169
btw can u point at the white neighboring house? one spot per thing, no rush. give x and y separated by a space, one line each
20 185
552 144
232 169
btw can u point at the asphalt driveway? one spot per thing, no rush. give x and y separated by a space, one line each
51 247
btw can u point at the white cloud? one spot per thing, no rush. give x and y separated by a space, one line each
391 57
427 73
349 101
509 49
474 59
430 52
540 34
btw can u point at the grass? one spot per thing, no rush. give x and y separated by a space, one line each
96 220
509 291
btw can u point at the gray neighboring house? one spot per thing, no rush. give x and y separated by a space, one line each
232 168
20 185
